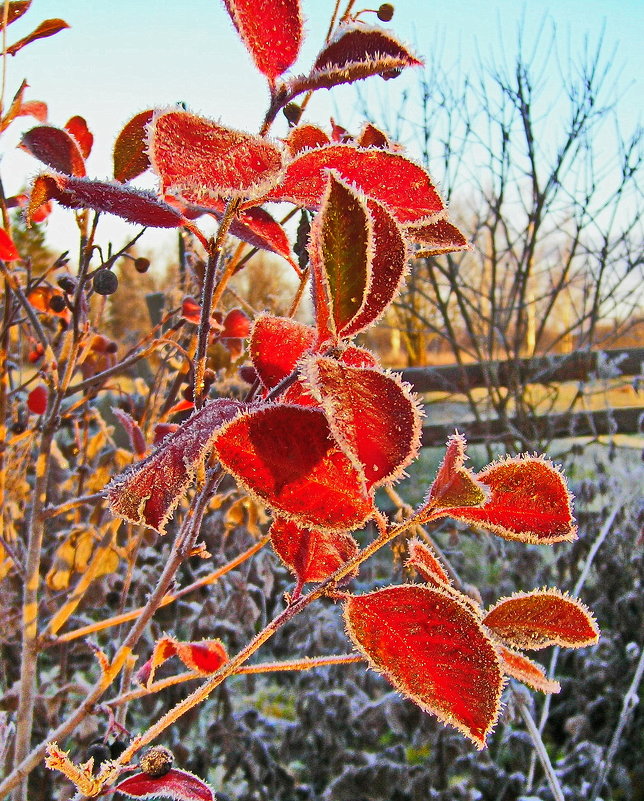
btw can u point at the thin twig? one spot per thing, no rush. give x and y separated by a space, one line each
540 748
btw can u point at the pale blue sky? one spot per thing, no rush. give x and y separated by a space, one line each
121 56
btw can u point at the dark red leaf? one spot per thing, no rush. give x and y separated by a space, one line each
55 147
15 10
77 127
285 455
177 784
133 205
135 435
525 670
162 430
305 137
37 399
541 618
400 184
528 501
373 137
148 492
434 650
356 51
437 237
272 32
47 28
130 155
206 159
8 251
311 554
372 415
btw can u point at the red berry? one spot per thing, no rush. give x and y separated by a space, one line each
141 265
385 12
37 399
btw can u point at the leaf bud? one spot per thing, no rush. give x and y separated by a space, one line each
385 12
292 112
105 282
157 761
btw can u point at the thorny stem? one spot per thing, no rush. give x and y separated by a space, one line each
209 299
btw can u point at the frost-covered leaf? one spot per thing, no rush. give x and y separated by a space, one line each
204 656
305 137
133 430
207 159
133 205
401 184
130 155
372 136
525 670
372 415
311 554
541 618
272 32
148 492
356 51
285 454
454 484
47 28
77 127
8 250
56 148
437 237
276 344
434 650
426 564
179 785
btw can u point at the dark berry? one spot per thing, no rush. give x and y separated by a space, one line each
66 283
157 761
100 751
57 303
292 112
105 282
385 12
141 265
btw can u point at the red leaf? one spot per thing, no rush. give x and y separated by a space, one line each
541 618
387 269
133 205
433 649
205 656
276 344
426 564
148 492
8 250
37 399
47 28
135 435
286 456
437 237
54 147
130 155
373 137
77 127
14 12
454 484
523 669
177 784
207 159
272 32
311 554
191 310
305 137
372 415
356 51
528 501
341 251
403 186
34 108
40 298
162 430
236 324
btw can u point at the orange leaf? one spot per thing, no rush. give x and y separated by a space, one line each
426 564
525 670
130 155
276 345
541 618
77 127
433 649
205 656
15 10
454 484
304 137
47 28
437 237
311 554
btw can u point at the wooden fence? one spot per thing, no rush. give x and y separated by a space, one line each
578 366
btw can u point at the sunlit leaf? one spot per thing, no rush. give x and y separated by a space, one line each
236 323
426 564
276 344
204 656
133 205
15 10
179 785
527 501
77 127
209 160
437 237
356 51
525 670
311 554
8 250
34 108
56 148
47 28
373 416
541 618
130 155
433 649
133 430
402 185
272 32
286 456
373 137
305 137
73 556
148 492
41 297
